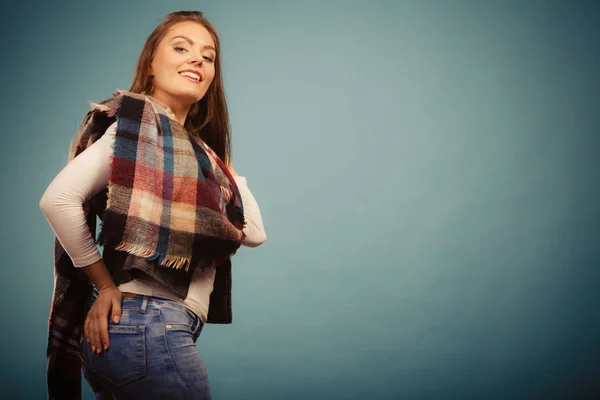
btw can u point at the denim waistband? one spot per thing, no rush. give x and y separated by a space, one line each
142 303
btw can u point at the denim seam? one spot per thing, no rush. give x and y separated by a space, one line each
169 353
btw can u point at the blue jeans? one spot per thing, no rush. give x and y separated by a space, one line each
152 354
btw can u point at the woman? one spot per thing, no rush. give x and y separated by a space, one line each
165 270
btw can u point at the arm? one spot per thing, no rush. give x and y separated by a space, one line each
62 204
254 227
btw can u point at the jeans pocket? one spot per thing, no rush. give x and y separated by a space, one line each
125 359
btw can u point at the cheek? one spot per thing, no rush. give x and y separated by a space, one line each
210 75
165 63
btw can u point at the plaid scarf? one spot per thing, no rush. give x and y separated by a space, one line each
170 198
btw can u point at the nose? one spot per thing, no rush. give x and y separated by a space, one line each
197 60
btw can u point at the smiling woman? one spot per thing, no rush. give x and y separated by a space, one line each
154 164
185 43
188 52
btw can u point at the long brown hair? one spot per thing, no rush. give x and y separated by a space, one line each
208 117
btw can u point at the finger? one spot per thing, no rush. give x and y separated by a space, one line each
89 333
103 331
96 342
116 310
100 325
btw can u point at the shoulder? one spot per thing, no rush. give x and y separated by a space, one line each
122 103
112 129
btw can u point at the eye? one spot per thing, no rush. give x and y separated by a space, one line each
178 48
208 59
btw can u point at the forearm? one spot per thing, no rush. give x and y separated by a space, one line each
99 275
254 228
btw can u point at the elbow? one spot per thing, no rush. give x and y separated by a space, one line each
45 202
255 240
52 202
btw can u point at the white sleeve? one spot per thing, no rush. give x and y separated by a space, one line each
254 228
62 202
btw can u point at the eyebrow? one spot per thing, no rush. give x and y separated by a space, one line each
192 42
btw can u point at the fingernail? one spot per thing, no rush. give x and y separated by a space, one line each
93 348
116 319
105 347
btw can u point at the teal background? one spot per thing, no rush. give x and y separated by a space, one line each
427 174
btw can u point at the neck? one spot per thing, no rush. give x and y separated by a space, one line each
178 109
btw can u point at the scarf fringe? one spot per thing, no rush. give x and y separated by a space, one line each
174 262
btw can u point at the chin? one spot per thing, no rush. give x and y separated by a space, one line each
191 95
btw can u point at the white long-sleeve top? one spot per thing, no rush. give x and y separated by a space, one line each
88 174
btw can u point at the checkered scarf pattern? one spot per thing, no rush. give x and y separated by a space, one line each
169 198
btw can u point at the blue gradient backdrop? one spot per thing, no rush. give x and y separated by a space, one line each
428 174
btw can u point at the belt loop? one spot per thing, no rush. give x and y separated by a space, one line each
144 304
198 329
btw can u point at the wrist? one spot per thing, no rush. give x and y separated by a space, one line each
107 288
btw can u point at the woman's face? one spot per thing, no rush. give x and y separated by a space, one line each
187 46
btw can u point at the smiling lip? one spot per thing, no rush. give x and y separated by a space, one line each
191 79
193 71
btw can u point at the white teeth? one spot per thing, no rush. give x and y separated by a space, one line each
191 75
